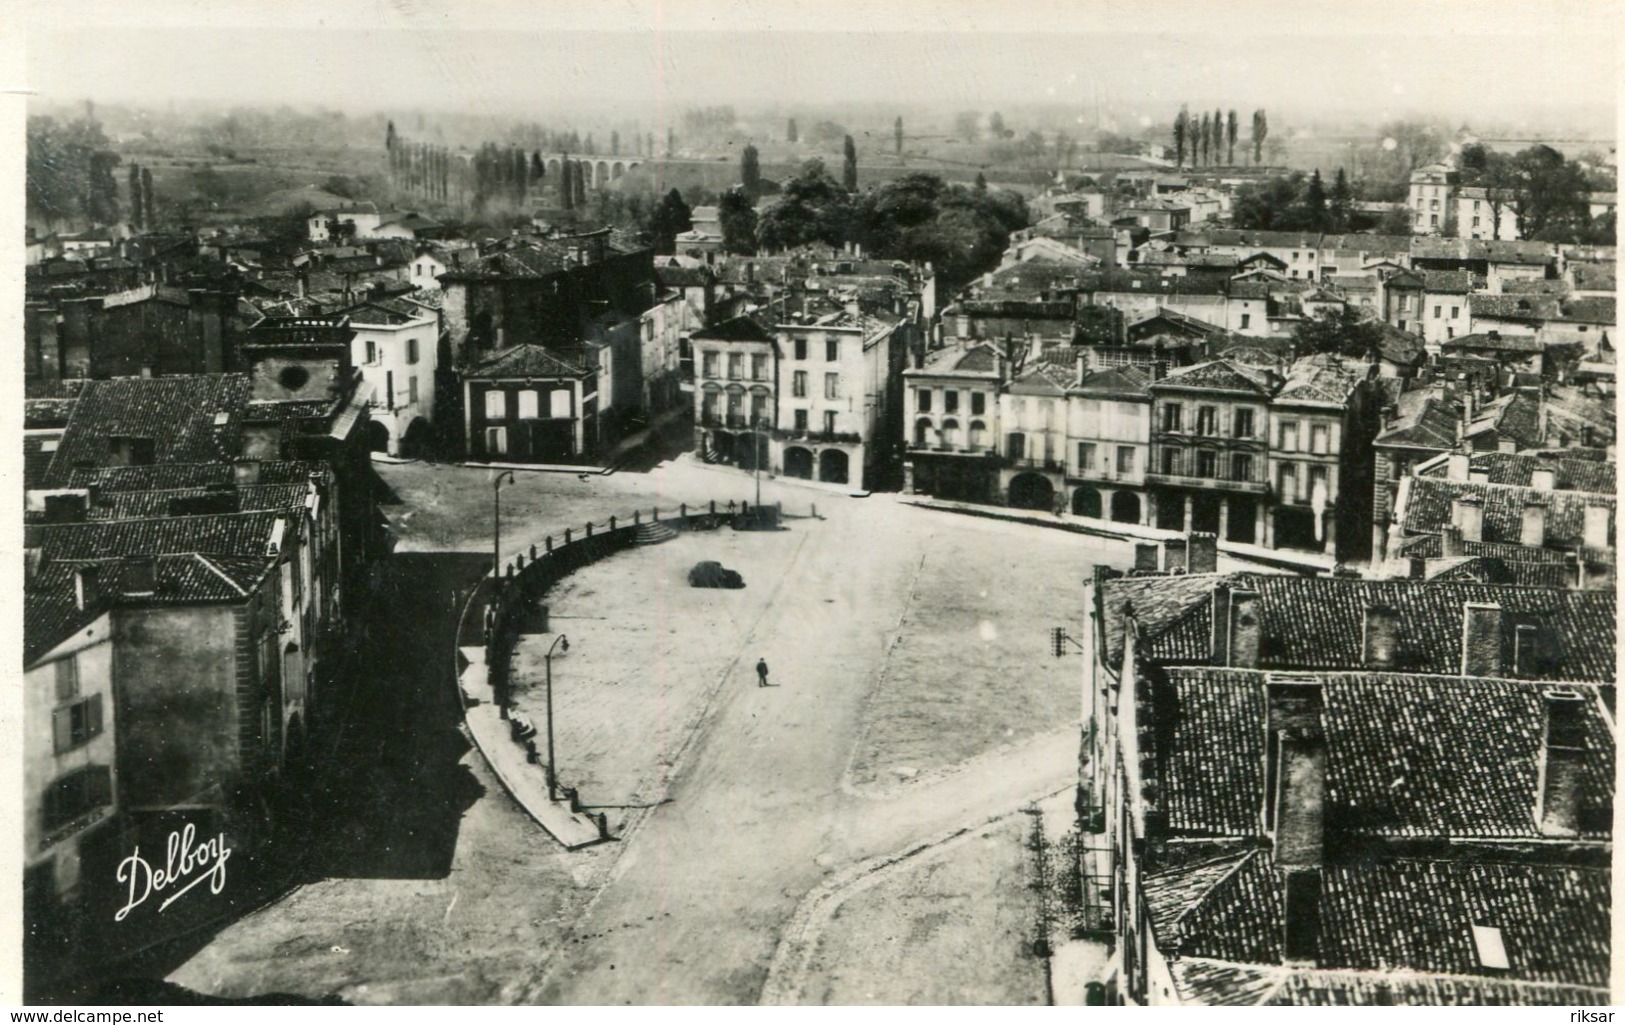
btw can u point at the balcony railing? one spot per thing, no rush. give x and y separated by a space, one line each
1180 480
1034 463
828 437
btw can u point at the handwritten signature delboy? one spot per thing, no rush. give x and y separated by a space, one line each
182 859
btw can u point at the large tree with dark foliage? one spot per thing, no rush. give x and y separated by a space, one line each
671 218
849 165
1230 134
70 171
1261 131
813 208
1344 331
737 217
1182 125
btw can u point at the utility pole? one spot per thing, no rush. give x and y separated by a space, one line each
496 521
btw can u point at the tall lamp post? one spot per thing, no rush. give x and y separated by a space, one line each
496 521
756 456
552 774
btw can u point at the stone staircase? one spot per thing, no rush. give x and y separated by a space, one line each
653 533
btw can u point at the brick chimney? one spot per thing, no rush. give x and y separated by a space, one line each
1381 636
1543 479
1481 639
245 472
1457 466
1532 528
1468 514
1562 764
1237 627
1202 552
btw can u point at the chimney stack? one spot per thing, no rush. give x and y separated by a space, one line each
1532 532
1598 520
1381 644
245 472
1468 515
1543 479
1458 465
1481 639
1297 812
1202 552
85 590
1237 628
1562 764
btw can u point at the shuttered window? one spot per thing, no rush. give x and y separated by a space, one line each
77 724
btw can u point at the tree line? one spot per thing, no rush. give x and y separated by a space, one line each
1205 139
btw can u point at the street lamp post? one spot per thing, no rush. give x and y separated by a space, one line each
756 457
496 521
552 774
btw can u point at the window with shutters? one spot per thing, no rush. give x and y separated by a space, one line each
922 400
1244 423
978 403
1125 459
412 389
529 406
77 724
1086 456
708 365
798 388
496 405
829 421
1241 467
736 366
832 386
1207 463
67 679
1170 461
832 350
79 792
801 421
758 367
950 401
558 403
1170 417
801 348
1289 436
411 350
1320 439
1207 420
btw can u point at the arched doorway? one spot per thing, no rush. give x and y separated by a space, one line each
1032 491
1125 507
722 443
416 442
798 462
377 437
832 466
1086 501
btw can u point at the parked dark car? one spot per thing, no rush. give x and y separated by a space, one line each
714 574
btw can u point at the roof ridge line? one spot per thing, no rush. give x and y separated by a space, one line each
199 556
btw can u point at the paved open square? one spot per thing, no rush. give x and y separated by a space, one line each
913 698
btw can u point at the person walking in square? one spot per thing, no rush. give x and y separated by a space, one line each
761 672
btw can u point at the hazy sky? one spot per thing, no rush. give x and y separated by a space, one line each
1468 58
